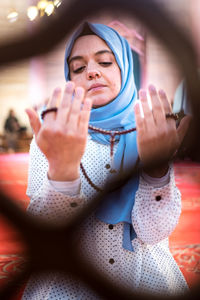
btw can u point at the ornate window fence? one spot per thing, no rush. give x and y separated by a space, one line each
44 242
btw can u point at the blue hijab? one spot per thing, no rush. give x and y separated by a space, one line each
116 115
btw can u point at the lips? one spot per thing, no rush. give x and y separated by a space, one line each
96 86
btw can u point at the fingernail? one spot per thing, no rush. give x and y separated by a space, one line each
142 94
138 107
79 91
57 90
136 103
162 92
27 112
69 87
151 88
88 102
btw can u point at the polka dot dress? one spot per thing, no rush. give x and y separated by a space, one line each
150 268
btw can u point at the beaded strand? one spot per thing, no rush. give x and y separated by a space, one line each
112 134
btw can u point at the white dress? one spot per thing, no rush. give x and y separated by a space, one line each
150 268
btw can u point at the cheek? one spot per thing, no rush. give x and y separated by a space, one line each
117 91
78 80
117 81
119 84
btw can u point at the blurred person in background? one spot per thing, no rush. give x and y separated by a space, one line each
12 129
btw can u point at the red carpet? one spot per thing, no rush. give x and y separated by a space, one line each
184 242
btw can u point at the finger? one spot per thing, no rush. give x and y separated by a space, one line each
139 119
53 102
34 120
74 112
85 116
166 104
167 108
183 127
148 116
64 107
68 93
157 107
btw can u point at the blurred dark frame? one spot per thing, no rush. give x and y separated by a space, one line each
40 237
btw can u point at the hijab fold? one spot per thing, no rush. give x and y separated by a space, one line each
116 115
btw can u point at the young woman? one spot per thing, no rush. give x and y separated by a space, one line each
127 238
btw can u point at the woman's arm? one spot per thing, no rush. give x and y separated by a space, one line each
156 211
158 139
45 200
56 153
63 134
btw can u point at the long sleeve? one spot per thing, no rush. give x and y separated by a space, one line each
45 200
156 211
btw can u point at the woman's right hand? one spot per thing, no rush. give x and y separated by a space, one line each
62 136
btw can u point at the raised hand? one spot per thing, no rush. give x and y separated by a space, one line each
157 136
62 136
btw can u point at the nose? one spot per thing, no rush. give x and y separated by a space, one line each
93 73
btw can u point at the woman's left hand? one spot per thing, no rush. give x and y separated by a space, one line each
157 136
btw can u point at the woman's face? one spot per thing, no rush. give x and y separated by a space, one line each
92 65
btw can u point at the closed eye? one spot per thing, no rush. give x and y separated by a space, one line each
106 63
79 70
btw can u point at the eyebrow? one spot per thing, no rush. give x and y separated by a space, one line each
78 57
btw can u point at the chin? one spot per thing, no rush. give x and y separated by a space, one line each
101 103
98 105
